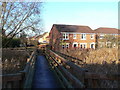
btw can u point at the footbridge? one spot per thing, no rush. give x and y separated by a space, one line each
48 69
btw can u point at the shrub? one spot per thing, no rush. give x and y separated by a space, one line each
15 42
13 61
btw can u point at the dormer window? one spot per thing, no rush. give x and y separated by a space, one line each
83 36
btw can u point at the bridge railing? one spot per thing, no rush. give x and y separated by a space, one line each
66 70
74 76
23 79
72 59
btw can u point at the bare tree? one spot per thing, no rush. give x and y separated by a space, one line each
20 16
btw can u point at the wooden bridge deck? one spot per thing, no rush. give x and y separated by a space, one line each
44 77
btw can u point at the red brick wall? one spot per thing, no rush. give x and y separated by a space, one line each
54 38
78 40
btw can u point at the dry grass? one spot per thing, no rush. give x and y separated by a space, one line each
13 61
100 61
101 57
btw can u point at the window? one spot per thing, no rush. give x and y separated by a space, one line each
75 45
83 36
74 36
92 36
92 45
65 36
101 36
83 45
101 45
63 46
44 42
108 44
67 45
114 45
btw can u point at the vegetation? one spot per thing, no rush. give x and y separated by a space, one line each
108 41
17 17
15 42
33 42
99 56
100 61
13 61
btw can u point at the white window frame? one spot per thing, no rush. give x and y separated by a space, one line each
114 45
83 44
108 43
66 35
75 43
63 46
91 44
74 36
92 36
101 45
102 36
67 44
84 36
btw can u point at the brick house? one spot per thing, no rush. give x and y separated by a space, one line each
72 36
107 37
44 38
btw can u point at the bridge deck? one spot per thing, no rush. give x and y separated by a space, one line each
44 76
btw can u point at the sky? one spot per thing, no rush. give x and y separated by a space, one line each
92 14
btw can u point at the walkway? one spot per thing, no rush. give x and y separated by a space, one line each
44 76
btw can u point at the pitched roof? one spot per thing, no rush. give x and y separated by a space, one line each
44 33
32 37
107 30
40 36
73 28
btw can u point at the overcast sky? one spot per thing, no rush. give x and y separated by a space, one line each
92 14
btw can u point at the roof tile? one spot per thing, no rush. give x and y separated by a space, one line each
73 28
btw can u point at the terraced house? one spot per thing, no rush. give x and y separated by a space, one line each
82 37
72 36
107 37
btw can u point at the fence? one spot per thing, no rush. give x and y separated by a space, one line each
23 79
74 76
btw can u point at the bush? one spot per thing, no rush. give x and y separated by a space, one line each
33 42
13 61
15 42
